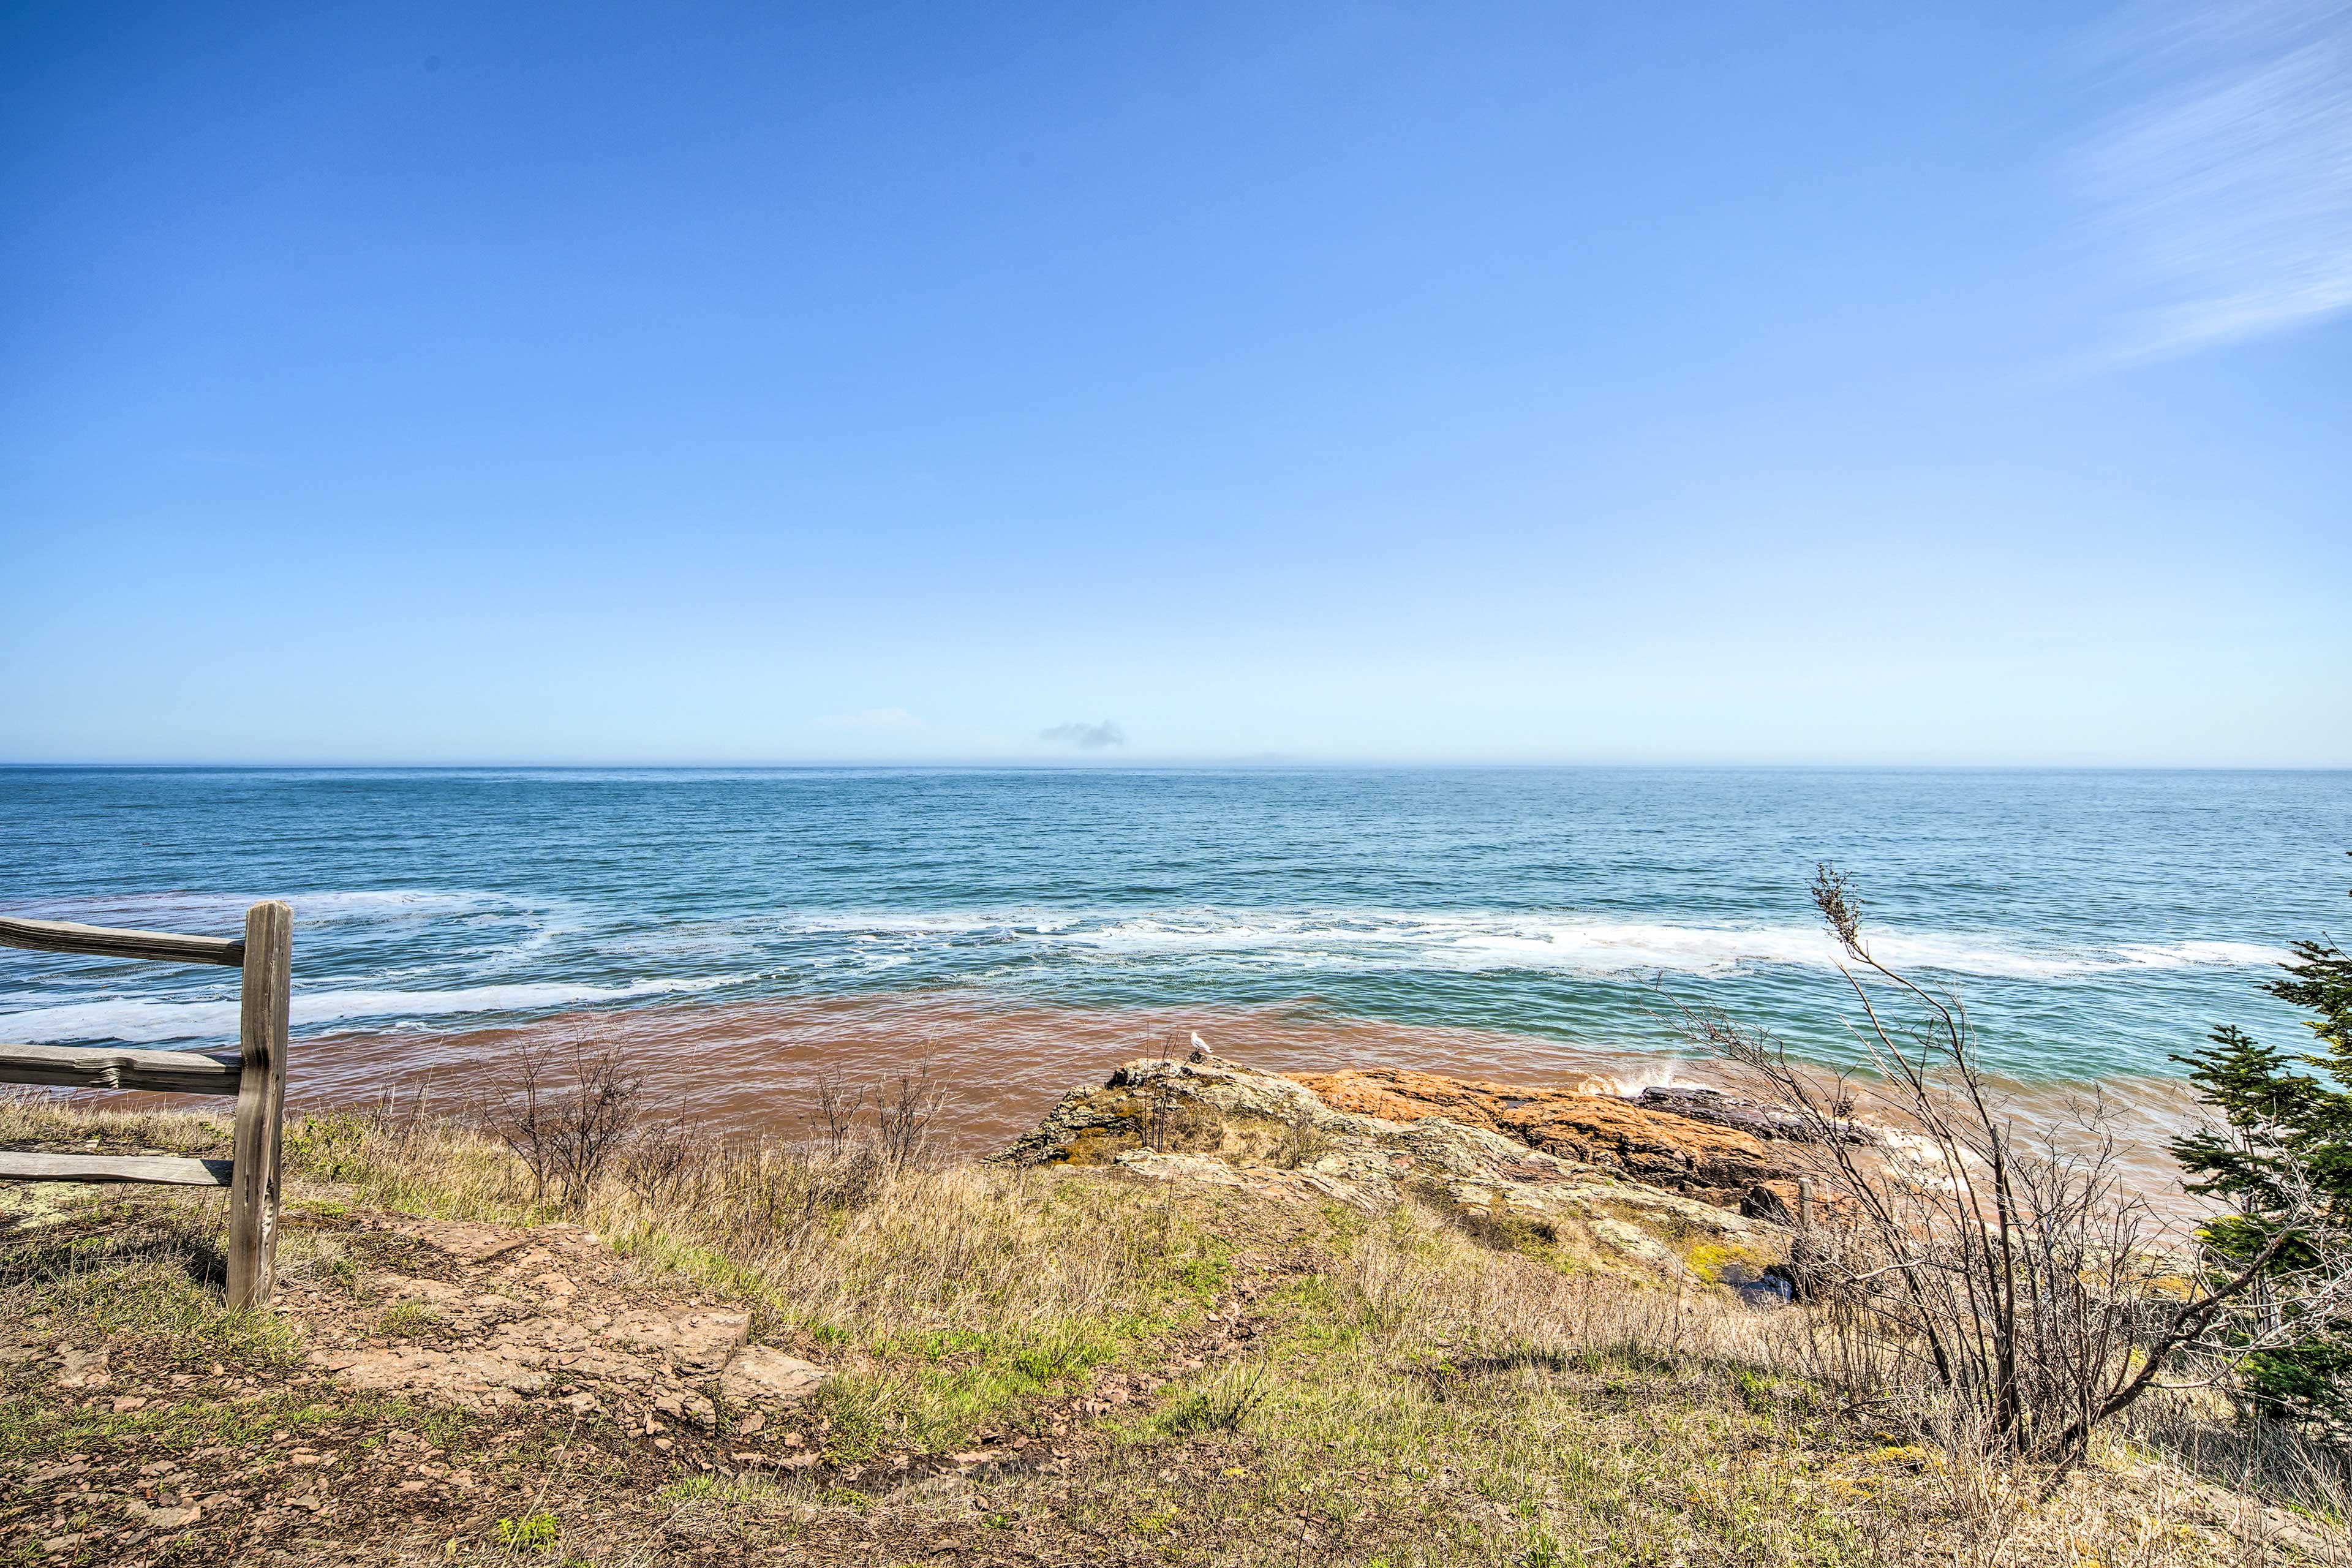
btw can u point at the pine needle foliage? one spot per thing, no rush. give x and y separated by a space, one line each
2281 1161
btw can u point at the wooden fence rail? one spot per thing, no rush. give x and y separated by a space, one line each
256 1076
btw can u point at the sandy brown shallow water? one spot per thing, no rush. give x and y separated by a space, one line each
751 1067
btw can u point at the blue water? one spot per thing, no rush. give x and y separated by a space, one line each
2095 922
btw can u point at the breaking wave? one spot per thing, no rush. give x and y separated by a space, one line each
149 1021
1481 940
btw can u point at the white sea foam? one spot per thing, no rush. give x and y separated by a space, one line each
1627 1083
1497 940
145 1020
2184 954
513 976
487 934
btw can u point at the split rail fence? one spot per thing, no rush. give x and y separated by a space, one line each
256 1076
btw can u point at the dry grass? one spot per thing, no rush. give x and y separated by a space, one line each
1291 1386
31 1117
1473 1406
840 1242
950 1296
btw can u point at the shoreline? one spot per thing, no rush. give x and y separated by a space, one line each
751 1068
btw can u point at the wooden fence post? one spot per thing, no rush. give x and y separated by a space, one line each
260 1104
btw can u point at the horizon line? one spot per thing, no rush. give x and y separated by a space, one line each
1176 764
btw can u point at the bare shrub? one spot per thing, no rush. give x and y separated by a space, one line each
837 1104
762 1195
655 1164
2006 1270
758 1195
903 1111
572 1108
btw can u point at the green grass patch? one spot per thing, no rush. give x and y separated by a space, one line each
932 1391
330 1148
532 1533
144 1283
698 1264
408 1320
1223 1402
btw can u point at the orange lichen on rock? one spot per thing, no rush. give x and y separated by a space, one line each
1716 1164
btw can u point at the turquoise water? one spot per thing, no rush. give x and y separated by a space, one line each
2095 922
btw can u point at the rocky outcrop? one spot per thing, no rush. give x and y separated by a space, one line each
1699 1143
1216 1123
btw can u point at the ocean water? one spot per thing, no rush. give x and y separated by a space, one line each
1026 929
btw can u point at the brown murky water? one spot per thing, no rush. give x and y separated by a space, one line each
751 1068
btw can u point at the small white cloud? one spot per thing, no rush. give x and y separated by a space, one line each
874 719
2225 181
1086 737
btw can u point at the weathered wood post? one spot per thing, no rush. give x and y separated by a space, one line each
257 1077
260 1104
1804 1203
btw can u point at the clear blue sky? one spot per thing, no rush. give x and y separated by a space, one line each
1939 383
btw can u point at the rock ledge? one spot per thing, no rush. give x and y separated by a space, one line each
1209 1120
